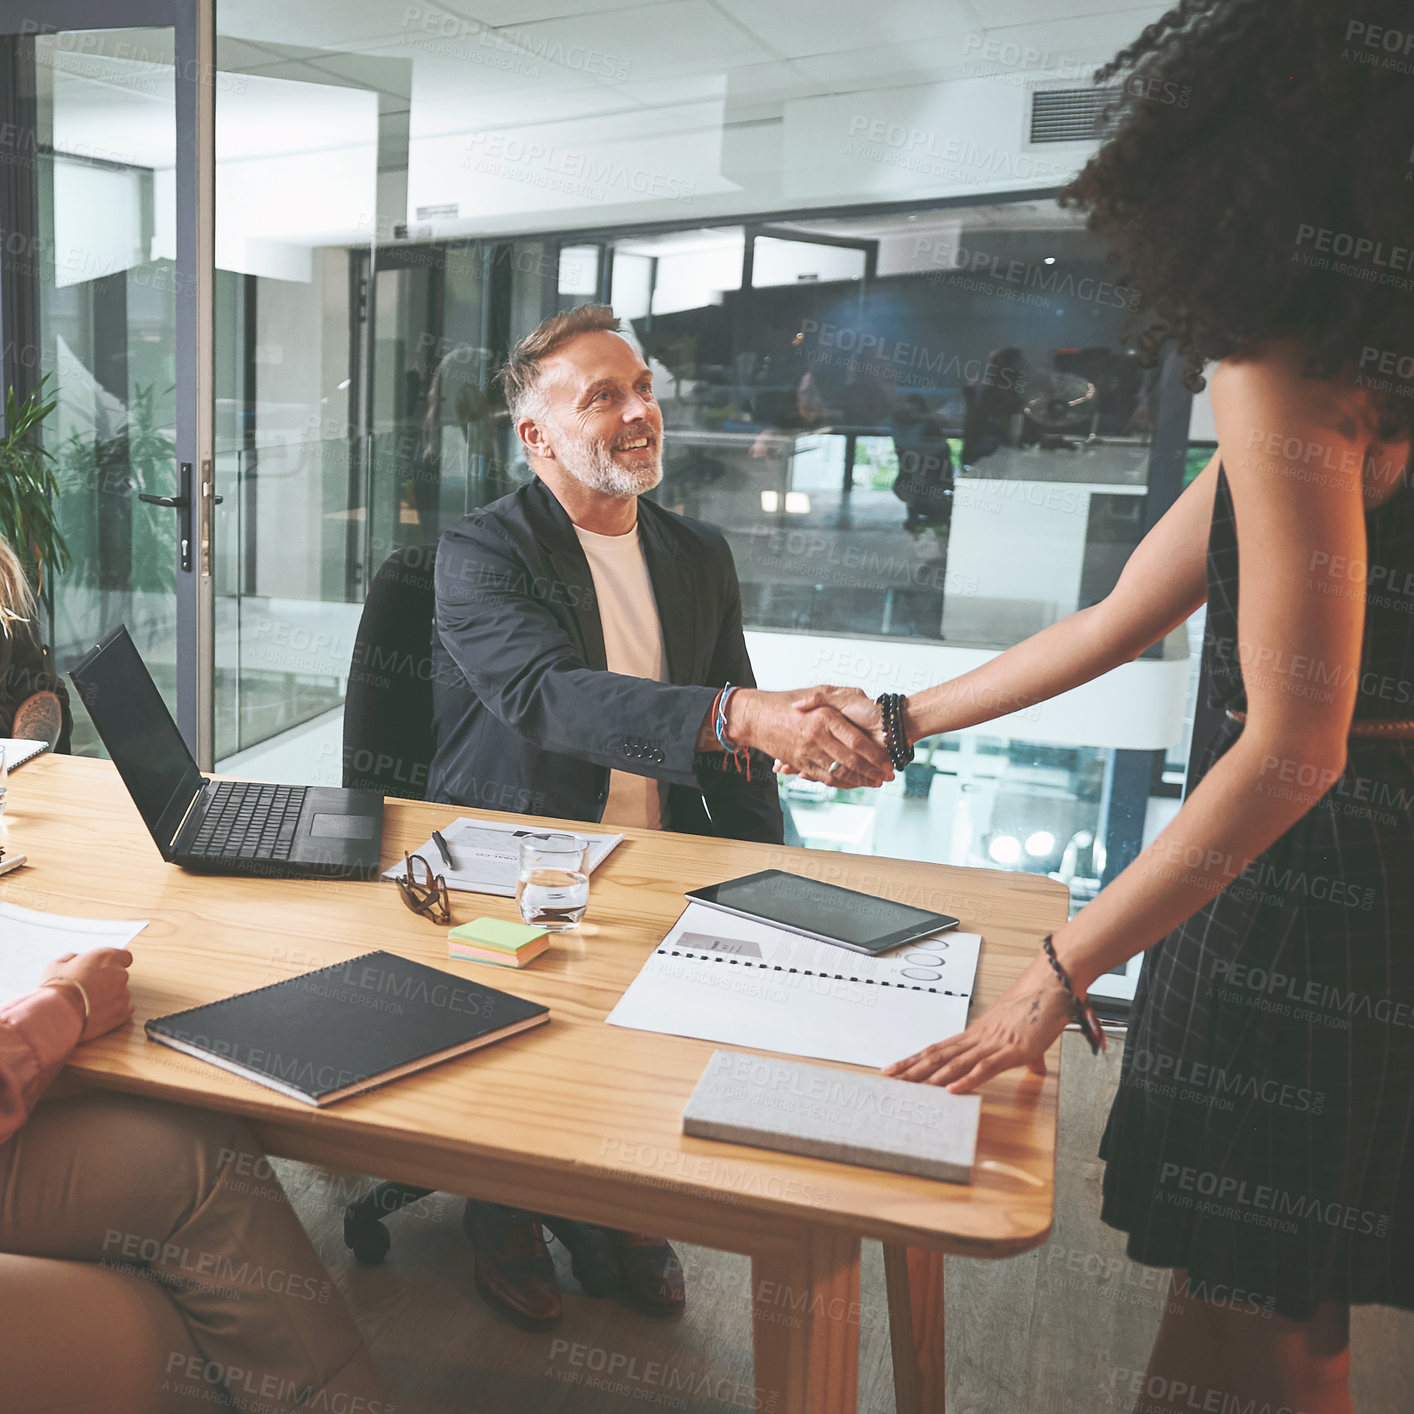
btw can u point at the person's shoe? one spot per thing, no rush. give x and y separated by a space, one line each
650 1274
514 1272
593 1260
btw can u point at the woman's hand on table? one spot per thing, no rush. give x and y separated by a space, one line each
1018 1030
103 974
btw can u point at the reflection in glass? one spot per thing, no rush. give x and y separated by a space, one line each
104 273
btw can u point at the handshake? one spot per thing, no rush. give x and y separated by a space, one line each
830 734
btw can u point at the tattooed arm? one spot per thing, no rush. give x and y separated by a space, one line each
39 717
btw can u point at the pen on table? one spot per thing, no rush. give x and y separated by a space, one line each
442 848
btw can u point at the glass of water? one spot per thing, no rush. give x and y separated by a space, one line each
552 888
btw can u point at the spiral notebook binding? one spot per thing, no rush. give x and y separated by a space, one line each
806 971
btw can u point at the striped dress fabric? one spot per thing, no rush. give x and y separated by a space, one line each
1260 1137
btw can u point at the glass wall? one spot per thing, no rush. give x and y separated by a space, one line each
890 367
102 266
904 400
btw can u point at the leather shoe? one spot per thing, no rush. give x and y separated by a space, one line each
514 1272
650 1274
592 1258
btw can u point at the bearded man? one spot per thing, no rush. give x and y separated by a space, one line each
582 636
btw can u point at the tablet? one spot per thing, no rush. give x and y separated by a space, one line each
860 922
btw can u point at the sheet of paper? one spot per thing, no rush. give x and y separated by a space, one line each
19 749
486 855
745 983
946 962
29 940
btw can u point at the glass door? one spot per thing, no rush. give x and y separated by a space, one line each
101 277
98 312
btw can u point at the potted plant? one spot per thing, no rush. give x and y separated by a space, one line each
29 511
918 775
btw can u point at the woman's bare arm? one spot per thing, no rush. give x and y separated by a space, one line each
1163 582
1300 649
1300 652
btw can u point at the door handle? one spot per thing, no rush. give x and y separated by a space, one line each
182 504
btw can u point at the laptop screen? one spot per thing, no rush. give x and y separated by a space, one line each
139 733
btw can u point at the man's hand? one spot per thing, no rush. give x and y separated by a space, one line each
860 709
103 974
813 739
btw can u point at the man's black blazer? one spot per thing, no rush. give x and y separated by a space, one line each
527 716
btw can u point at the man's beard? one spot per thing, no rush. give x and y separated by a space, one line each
592 463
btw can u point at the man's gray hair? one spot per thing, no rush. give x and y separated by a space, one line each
521 374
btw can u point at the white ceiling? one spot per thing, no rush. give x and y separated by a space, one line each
720 97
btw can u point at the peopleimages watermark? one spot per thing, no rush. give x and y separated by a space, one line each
1019 64
883 348
1179 1394
1379 46
1344 253
1385 370
672 1168
243 1387
890 144
201 1269
543 164
1253 878
1080 1269
514 43
1316 1001
1346 792
1262 1204
655 1381
1165 1074
951 258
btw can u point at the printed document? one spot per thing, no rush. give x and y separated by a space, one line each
742 982
486 854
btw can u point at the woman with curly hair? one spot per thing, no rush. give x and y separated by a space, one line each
1260 1141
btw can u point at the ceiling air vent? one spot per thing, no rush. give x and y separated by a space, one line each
1069 114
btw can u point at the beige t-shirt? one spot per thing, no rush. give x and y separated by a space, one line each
633 645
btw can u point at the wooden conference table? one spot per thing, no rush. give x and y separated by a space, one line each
576 1117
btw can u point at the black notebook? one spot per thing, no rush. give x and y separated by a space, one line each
325 1035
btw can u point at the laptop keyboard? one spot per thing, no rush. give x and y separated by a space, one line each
246 820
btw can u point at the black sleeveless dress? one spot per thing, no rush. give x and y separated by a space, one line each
1261 1135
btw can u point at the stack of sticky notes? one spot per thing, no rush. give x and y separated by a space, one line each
495 940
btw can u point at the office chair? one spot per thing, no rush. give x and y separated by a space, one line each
388 740
388 747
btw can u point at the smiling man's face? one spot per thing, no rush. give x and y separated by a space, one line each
601 420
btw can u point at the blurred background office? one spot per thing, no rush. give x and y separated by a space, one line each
890 365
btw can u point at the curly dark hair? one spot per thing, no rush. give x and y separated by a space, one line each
1259 182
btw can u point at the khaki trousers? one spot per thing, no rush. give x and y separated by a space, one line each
150 1262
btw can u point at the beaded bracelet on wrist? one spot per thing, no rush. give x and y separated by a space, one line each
1084 1013
895 736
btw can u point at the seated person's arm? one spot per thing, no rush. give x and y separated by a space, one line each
500 630
39 717
32 689
40 1029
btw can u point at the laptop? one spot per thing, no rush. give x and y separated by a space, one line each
225 827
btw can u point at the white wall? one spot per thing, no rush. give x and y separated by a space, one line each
1138 706
97 222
